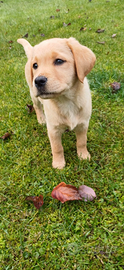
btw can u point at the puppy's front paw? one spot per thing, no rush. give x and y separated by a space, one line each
58 165
84 155
41 120
40 115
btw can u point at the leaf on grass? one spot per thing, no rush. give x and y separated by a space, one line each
37 200
100 31
101 42
10 41
67 11
26 35
115 86
64 193
83 28
87 193
57 10
114 35
66 24
6 136
30 108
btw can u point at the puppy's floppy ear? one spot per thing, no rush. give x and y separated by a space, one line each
84 58
27 47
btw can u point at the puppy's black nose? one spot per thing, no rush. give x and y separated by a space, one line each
40 81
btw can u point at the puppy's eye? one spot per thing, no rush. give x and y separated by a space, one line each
59 62
35 65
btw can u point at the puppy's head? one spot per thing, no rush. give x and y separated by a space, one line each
55 65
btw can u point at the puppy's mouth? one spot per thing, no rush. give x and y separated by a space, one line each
45 95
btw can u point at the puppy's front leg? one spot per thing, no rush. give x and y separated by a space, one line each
57 148
38 107
81 135
39 113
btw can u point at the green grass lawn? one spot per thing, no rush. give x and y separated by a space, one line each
74 235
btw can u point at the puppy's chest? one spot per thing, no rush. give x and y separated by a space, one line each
70 114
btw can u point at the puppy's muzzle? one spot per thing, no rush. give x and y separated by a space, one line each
40 83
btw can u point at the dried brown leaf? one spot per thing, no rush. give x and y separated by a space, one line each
37 200
64 24
10 41
101 42
115 86
57 10
83 28
64 193
100 31
26 35
6 136
30 108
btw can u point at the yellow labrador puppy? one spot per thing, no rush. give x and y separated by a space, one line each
56 74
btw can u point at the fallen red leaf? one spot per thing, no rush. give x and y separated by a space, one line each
6 136
10 41
37 200
64 193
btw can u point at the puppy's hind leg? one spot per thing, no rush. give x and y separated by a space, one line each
38 107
